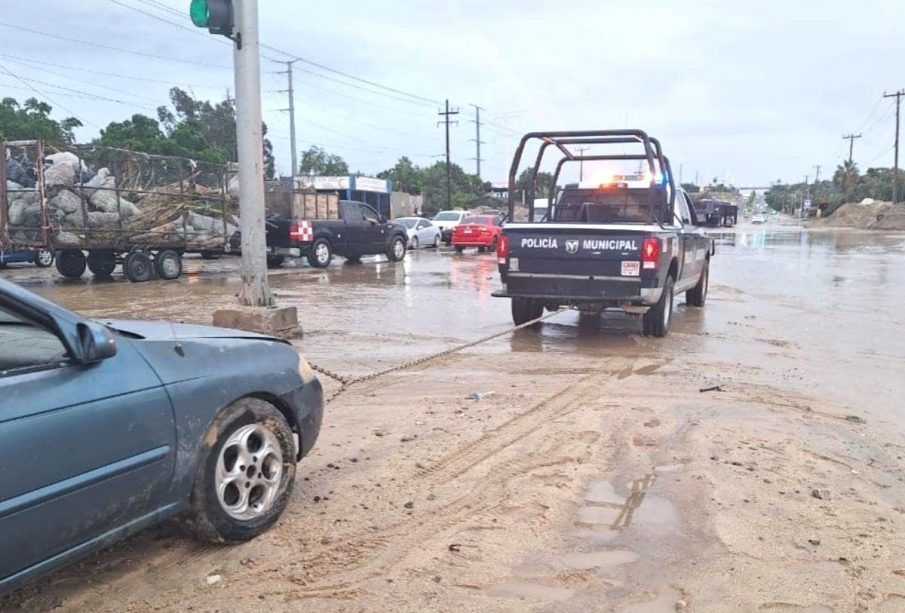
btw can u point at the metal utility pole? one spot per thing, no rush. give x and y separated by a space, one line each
895 173
851 144
446 115
291 111
477 139
581 151
255 289
817 175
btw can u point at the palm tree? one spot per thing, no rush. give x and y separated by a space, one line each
846 175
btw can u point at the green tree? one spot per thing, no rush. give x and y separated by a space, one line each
32 120
465 187
316 161
846 175
691 188
140 133
406 177
544 182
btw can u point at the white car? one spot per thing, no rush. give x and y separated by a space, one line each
758 219
421 232
446 221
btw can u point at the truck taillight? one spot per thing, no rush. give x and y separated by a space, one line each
301 232
650 254
502 248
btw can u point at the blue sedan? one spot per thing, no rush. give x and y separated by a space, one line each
118 425
39 257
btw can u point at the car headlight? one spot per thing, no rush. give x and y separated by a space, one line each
305 371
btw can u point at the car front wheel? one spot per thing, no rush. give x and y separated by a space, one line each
245 474
43 258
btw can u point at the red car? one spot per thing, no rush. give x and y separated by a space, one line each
481 231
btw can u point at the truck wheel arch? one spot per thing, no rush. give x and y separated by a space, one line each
673 269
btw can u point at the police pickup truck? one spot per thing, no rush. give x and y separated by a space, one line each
357 230
629 242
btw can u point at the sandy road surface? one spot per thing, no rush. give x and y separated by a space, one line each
596 477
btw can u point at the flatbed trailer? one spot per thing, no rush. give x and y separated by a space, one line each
98 208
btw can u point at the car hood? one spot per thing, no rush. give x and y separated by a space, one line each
164 330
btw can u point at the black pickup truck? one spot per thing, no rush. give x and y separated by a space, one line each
629 242
359 230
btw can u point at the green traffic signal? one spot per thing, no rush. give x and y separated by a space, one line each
215 15
199 13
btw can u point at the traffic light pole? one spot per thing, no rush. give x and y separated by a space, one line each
255 289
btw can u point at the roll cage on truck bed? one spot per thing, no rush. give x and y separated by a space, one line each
629 243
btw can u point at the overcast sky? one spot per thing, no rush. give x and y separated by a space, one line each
748 94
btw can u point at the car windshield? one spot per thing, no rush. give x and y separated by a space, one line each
408 222
482 220
447 216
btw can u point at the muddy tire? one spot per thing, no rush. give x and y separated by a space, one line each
168 265
525 309
656 321
245 476
275 261
396 252
321 253
43 258
697 296
71 263
102 263
138 267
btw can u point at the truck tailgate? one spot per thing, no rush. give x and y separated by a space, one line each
574 262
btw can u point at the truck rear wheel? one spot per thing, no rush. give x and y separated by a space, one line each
697 295
71 263
396 252
101 263
525 310
657 320
321 254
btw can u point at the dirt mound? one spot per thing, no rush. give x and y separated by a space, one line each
876 216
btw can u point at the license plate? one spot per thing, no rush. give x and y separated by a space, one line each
467 231
631 269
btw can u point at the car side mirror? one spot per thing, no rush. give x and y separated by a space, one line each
96 343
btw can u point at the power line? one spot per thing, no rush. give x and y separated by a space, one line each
86 94
37 91
111 48
27 61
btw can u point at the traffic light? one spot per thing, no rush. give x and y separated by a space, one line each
215 15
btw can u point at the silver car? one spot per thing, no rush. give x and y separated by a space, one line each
421 232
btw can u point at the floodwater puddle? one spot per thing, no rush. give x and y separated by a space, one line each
606 559
535 591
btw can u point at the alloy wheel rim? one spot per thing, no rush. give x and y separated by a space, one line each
322 253
45 257
249 471
399 249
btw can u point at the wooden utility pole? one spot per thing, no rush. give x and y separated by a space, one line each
895 173
851 144
446 115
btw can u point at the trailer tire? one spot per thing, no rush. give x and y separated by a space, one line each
168 265
525 309
321 253
697 296
138 267
657 320
71 263
101 263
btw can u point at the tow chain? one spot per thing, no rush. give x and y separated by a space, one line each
347 382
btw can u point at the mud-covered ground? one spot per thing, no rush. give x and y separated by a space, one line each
593 475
